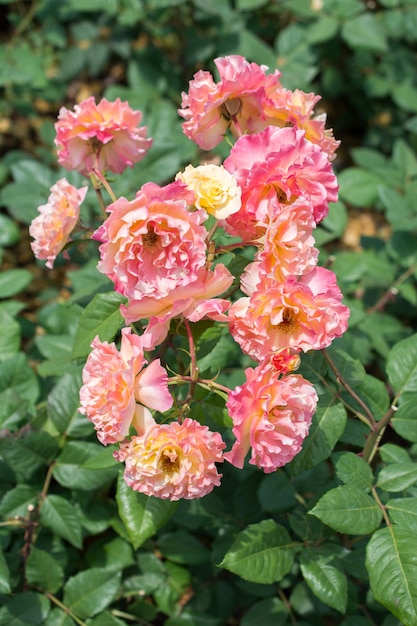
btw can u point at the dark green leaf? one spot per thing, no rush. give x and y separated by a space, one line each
268 612
397 476
91 591
4 575
9 231
326 428
9 337
348 510
142 515
324 578
391 561
353 470
16 502
69 468
64 401
262 553
43 571
181 547
13 282
24 609
101 317
16 374
402 366
59 515
365 31
403 512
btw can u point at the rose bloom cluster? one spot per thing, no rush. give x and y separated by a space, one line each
159 250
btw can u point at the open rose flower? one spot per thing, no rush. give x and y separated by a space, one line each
173 460
305 313
216 191
274 168
296 108
152 244
57 218
106 136
271 417
287 247
235 102
118 390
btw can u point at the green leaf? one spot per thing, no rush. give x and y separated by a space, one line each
181 547
59 515
322 29
268 612
58 618
142 515
350 369
405 96
43 571
16 374
69 468
101 317
26 454
64 401
348 510
402 366
358 186
403 512
391 453
9 336
353 470
4 575
91 591
391 561
17 501
365 31
326 581
24 609
9 231
404 420
13 282
326 428
262 553
397 476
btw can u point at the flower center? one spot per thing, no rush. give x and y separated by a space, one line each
230 108
150 238
169 462
289 322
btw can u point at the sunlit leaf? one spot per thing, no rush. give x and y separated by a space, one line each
262 553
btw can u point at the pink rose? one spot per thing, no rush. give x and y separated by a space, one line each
235 102
287 247
56 221
305 313
106 136
118 391
152 245
274 168
173 460
271 417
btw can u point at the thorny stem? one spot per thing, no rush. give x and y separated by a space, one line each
130 617
392 291
381 506
369 420
376 433
207 383
66 609
287 605
194 371
105 184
